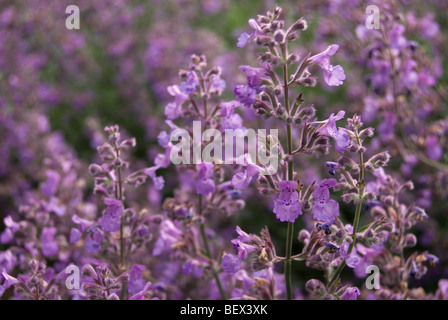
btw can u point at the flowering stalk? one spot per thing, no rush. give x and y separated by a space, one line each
290 226
208 251
361 186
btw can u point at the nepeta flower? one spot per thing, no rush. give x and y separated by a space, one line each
333 75
169 235
50 186
164 139
205 185
352 259
242 249
241 180
246 95
351 293
6 281
340 136
136 283
94 239
49 245
194 267
110 221
75 235
142 294
244 38
253 75
218 85
325 209
230 263
433 148
287 206
189 86
159 181
173 110
230 119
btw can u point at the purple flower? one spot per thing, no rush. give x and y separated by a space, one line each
172 111
230 263
94 239
7 260
433 148
244 38
333 75
230 120
189 86
56 206
243 236
49 245
194 267
351 293
49 187
6 281
159 181
287 206
205 185
110 221
142 294
75 235
241 180
169 235
246 95
353 259
340 136
253 75
397 40
218 85
242 249
11 228
163 138
136 283
409 76
325 209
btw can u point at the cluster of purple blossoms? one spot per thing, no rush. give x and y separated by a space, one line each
188 233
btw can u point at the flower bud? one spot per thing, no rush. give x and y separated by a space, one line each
304 235
410 240
279 36
95 169
315 287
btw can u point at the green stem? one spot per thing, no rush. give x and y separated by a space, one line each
120 197
357 217
290 227
208 252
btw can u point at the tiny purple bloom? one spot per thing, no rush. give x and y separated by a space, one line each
340 136
230 263
75 235
49 245
205 185
325 209
136 283
253 75
351 293
287 206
